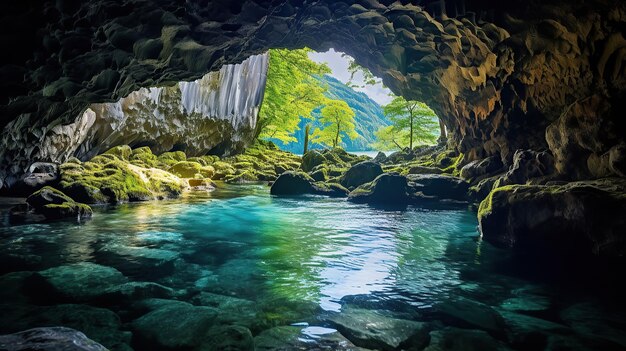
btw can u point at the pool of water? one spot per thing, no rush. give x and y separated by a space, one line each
295 273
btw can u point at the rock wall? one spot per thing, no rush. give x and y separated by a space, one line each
498 73
214 114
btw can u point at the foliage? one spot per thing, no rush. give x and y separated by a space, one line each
291 92
368 118
354 69
337 119
412 122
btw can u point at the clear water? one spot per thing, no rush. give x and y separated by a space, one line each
301 259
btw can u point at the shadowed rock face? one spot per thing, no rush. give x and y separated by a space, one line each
497 74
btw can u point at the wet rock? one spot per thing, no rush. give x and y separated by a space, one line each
361 173
528 164
49 339
53 204
558 218
439 186
132 291
593 319
471 313
228 337
75 282
293 183
99 324
287 338
299 183
479 169
529 333
233 310
387 188
454 339
173 326
370 329
138 261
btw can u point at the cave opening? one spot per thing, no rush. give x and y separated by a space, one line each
183 175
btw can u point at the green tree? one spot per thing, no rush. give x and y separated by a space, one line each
354 68
337 120
412 122
291 91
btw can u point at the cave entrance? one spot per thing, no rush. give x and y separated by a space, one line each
318 100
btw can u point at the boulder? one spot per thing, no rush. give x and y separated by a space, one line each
173 326
380 157
374 330
138 261
440 186
233 310
480 169
228 337
559 218
387 188
49 339
455 339
298 338
74 282
312 159
293 183
361 173
528 164
466 312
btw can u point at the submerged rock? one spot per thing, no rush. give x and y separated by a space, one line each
173 326
49 339
455 339
54 204
75 282
583 217
233 310
469 312
286 338
361 173
370 329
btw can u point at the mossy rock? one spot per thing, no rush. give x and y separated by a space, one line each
54 204
312 159
123 152
320 175
171 158
245 176
144 157
186 169
73 160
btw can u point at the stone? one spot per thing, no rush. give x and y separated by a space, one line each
292 183
312 159
74 282
361 173
480 169
138 261
439 185
455 339
228 337
592 318
374 330
528 164
233 310
387 188
173 326
49 339
469 312
557 218
527 332
380 157
286 338
320 175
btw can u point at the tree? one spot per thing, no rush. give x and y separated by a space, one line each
354 68
412 122
291 91
337 120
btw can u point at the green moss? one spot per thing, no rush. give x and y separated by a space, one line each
186 169
486 206
144 157
123 152
171 158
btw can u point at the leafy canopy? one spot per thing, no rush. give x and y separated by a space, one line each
337 120
412 122
291 91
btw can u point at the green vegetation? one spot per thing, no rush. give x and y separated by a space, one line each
338 120
291 92
412 122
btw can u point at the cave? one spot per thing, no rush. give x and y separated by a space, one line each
508 233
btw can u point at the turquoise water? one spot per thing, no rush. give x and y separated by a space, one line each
299 262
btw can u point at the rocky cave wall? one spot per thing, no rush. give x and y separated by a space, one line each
503 76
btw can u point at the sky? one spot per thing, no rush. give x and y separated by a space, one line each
339 67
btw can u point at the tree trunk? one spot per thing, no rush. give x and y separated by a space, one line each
411 135
307 129
337 136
